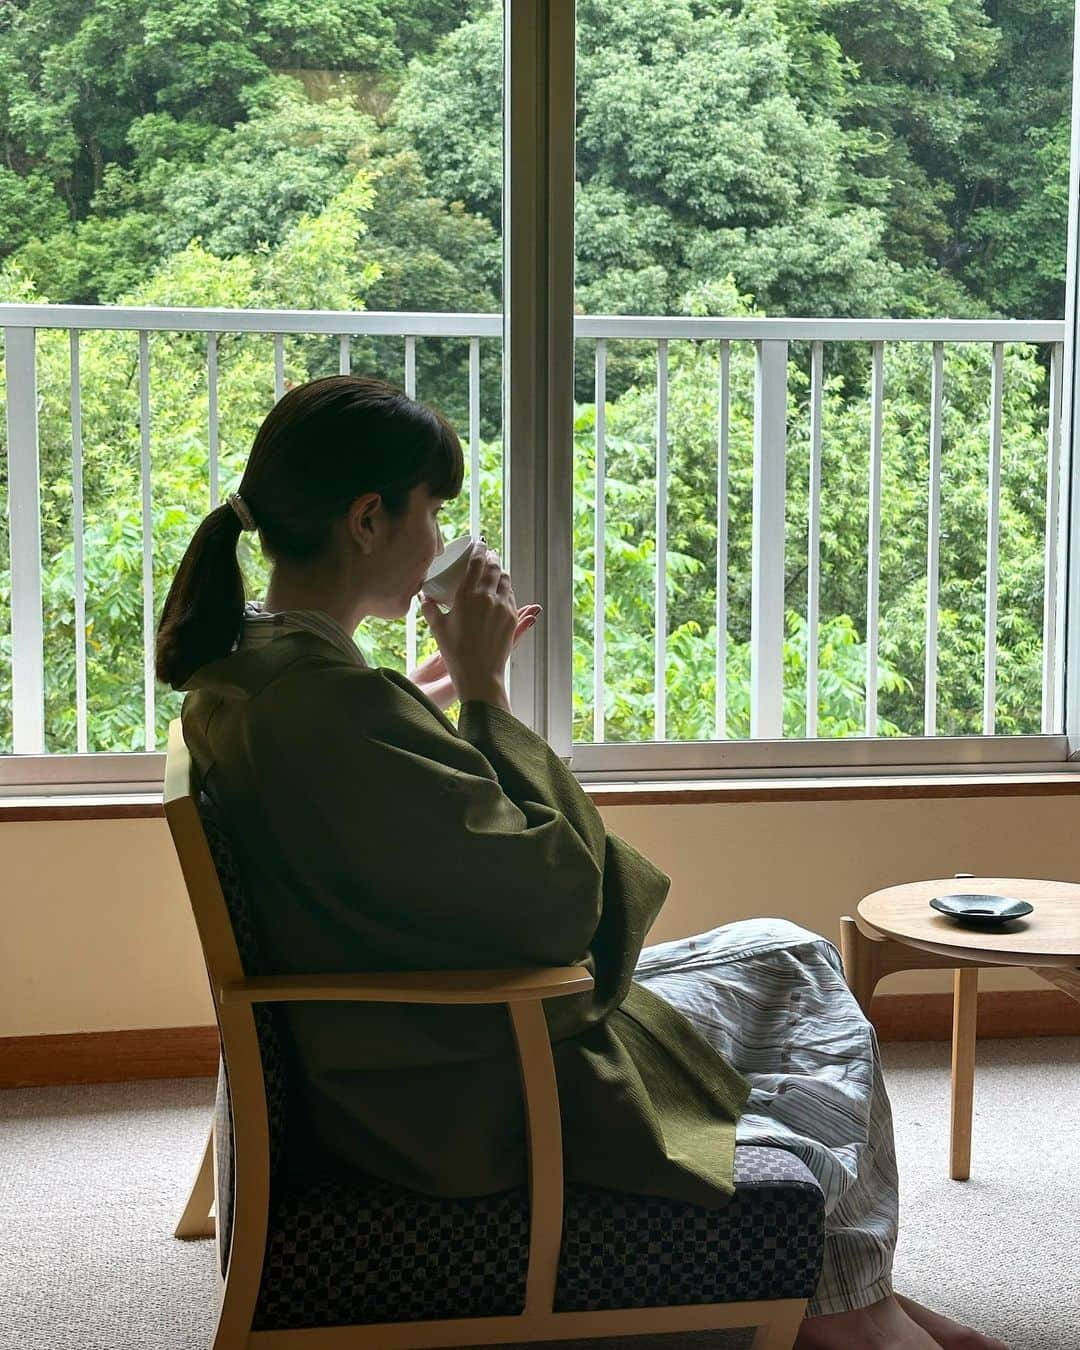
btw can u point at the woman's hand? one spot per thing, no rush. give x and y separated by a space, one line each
433 678
477 635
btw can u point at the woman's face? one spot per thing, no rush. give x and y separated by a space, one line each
410 544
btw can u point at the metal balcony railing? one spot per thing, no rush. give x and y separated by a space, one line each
771 338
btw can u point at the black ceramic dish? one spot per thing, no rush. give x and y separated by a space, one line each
981 911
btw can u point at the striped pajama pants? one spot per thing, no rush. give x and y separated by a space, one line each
772 999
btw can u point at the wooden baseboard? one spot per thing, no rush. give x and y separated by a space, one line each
1002 1012
192 1052
108 1056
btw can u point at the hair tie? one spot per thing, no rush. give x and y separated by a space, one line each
247 520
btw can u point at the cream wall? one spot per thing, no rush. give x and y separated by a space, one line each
97 935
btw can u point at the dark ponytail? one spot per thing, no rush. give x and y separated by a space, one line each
205 606
323 445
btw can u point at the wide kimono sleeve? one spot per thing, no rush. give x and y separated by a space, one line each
432 847
633 888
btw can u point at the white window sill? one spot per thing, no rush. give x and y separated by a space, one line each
147 805
847 787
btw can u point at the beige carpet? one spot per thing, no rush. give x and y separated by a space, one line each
92 1180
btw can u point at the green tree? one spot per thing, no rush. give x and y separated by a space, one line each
1011 211
695 160
911 69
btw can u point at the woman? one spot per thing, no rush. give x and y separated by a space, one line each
378 836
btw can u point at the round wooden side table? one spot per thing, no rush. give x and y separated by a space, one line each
897 930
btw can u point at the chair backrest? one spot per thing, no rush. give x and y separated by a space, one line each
227 929
208 905
272 1034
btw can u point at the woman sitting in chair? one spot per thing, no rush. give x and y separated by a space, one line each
377 835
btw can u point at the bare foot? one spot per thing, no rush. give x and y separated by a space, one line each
949 1335
882 1326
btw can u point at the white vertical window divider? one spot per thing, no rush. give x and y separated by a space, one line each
344 355
813 543
538 353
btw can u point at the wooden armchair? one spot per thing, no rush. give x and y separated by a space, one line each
327 1263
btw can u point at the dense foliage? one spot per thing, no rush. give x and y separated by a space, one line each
798 157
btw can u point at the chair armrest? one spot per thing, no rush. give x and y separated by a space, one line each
435 986
521 991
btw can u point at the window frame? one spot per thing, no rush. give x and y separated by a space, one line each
540 123
538 349
1069 611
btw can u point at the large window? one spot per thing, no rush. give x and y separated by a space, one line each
214 216
795 521
770 411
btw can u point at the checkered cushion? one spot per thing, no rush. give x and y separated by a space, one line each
342 1252
342 1249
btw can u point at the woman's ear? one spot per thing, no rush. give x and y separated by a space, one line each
361 520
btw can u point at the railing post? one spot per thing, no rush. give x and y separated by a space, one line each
933 538
873 533
813 542
993 531
767 587
660 634
24 514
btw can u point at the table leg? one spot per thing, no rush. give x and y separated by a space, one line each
965 1009
859 955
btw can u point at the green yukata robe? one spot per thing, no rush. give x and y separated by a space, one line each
374 835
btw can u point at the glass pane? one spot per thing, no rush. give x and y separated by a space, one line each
237 164
738 163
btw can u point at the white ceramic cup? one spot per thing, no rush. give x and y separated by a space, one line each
448 570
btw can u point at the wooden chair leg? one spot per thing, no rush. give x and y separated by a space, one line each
195 1222
780 1333
965 1010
